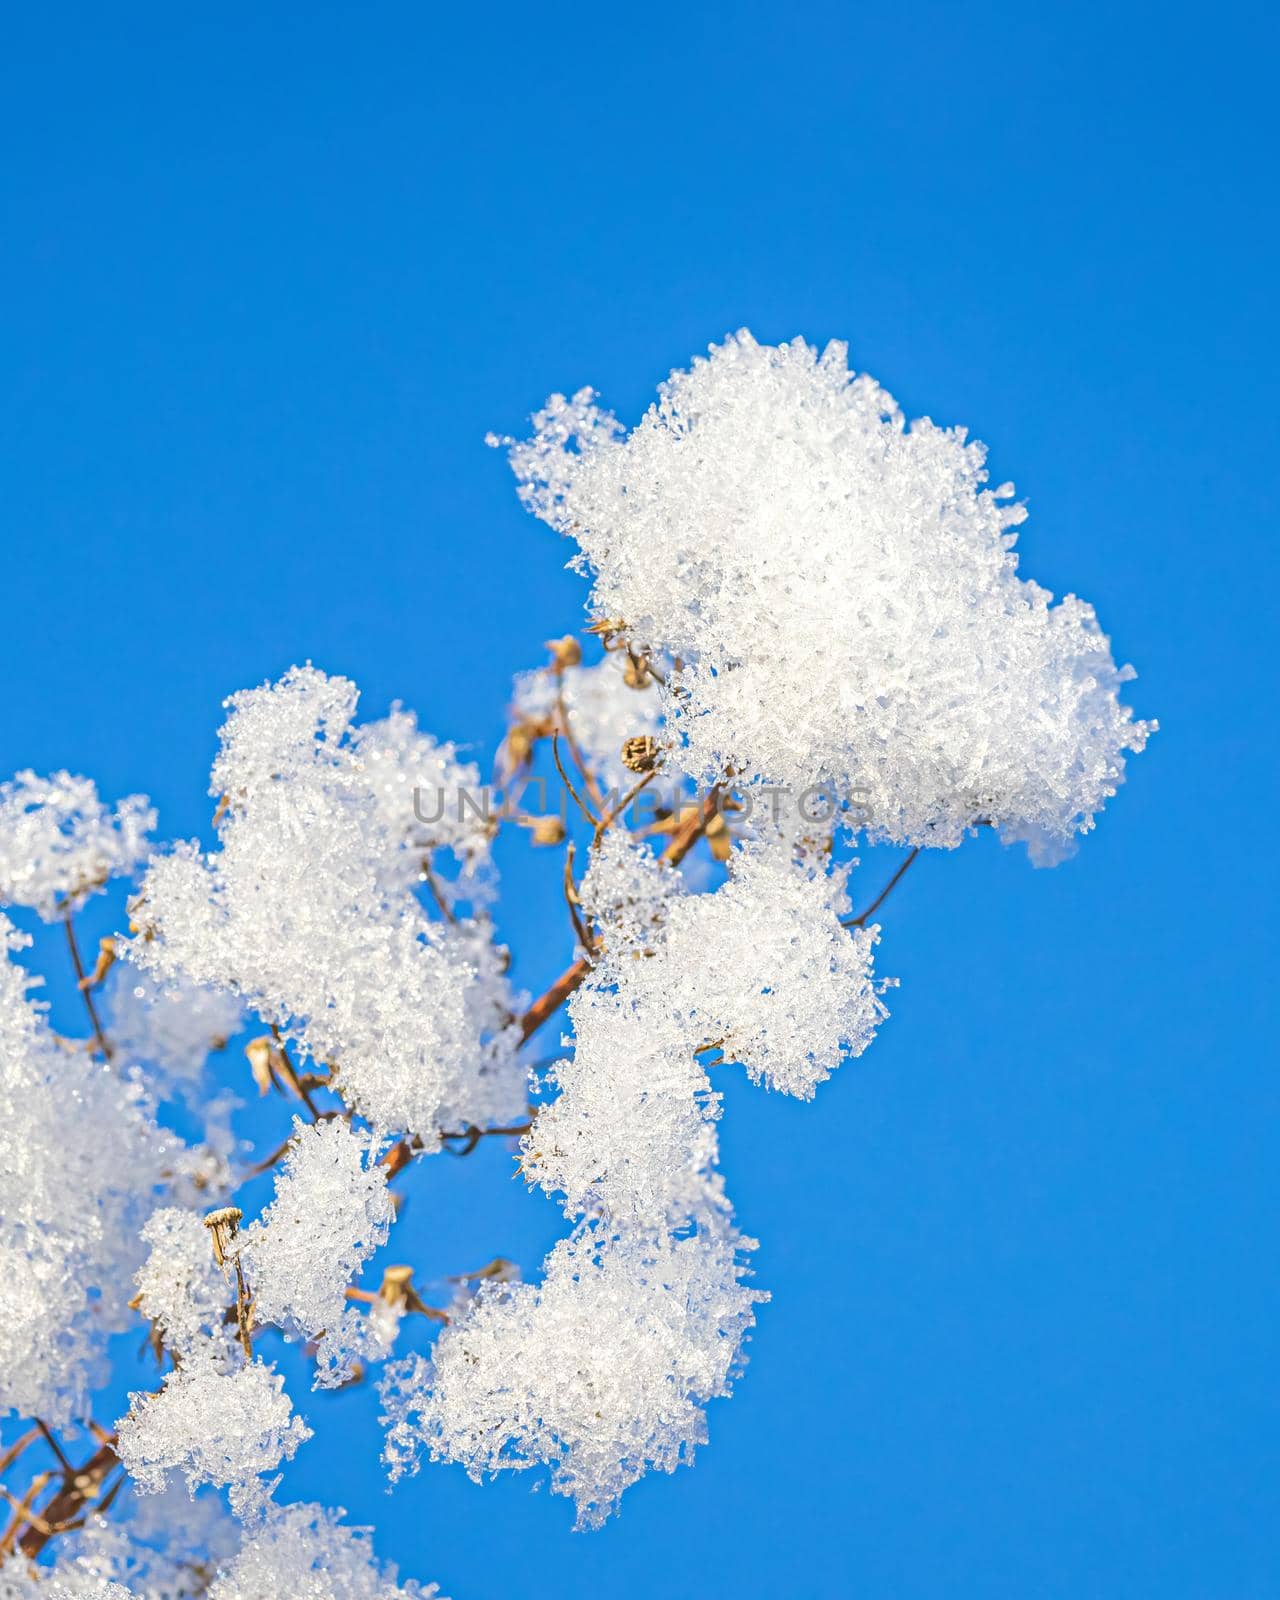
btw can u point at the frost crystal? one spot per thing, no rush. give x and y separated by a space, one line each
59 842
624 892
603 712
306 913
629 1134
224 1428
169 1027
187 1549
416 783
331 1211
180 1288
80 1164
302 1552
763 970
841 589
83 1586
600 1372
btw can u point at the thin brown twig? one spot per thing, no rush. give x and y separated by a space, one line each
26 1514
861 921
268 1162
471 1136
571 900
367 1297
579 761
61 1512
17 1447
74 946
53 1444
606 822
244 1329
568 782
300 1088
682 840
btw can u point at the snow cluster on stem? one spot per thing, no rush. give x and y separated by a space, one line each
59 842
307 913
841 590
795 590
81 1164
603 709
331 1211
171 1548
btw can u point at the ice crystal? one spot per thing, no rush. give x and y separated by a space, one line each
303 1552
841 590
362 1337
20 1581
418 785
59 842
214 1425
600 1372
169 1027
188 1550
81 1162
331 1211
624 893
84 1586
305 913
629 1133
763 971
180 1288
155 1547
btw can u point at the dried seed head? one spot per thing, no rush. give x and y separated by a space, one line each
261 1054
521 738
566 652
546 830
608 628
103 965
397 1289
636 674
641 754
223 1225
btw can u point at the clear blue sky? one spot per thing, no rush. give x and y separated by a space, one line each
269 275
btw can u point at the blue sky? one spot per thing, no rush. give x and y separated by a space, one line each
270 274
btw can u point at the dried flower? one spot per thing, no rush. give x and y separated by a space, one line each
565 652
261 1055
641 753
223 1225
397 1289
636 674
546 830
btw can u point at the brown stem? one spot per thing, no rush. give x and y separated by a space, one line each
571 900
568 781
606 822
678 847
550 1000
81 983
24 1514
861 921
291 1072
588 777
243 1329
53 1444
70 1500
433 887
472 1136
17 1447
